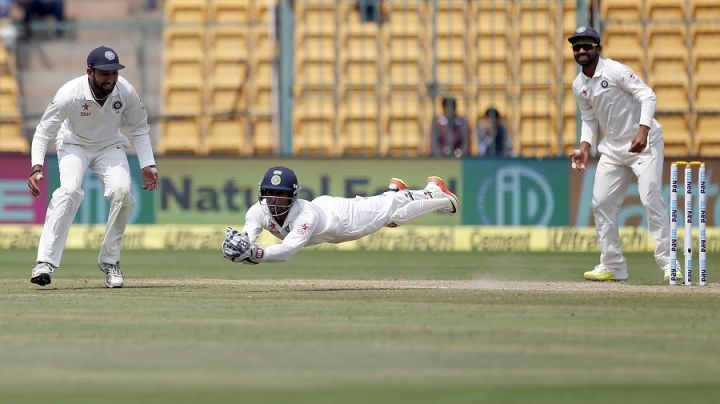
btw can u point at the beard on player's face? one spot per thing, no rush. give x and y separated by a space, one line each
103 83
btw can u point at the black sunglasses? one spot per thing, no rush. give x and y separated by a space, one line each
584 46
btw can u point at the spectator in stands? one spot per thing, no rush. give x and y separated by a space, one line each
42 8
370 10
8 32
450 132
492 135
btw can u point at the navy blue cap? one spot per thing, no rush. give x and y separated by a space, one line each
585 32
104 58
281 179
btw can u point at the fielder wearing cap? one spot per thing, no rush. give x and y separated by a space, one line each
616 102
85 117
325 219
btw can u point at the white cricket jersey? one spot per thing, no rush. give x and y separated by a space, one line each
327 219
306 224
74 117
615 101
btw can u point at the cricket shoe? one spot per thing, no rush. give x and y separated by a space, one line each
41 274
678 274
113 276
603 273
437 188
396 184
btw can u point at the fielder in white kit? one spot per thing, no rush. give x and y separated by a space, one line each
615 101
85 118
326 219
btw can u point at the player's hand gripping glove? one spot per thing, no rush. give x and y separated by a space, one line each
237 248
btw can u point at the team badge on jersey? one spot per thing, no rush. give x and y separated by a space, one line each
604 84
117 105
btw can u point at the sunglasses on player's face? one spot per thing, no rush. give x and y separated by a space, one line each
584 46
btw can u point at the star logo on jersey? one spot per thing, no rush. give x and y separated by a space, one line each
85 110
85 107
303 228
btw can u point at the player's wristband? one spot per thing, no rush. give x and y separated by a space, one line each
35 172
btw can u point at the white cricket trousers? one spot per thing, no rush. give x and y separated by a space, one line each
111 165
612 179
362 216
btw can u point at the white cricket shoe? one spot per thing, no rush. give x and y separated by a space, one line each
41 274
113 276
437 188
603 273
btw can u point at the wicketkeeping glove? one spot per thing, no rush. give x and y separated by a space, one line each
237 248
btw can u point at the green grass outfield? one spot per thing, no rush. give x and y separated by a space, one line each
356 327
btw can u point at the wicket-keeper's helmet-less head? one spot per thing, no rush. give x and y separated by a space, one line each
279 180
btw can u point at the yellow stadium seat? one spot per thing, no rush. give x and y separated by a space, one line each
263 135
490 18
706 68
11 139
223 99
315 61
230 11
181 135
228 43
676 134
314 123
227 72
359 121
622 40
450 18
182 98
535 18
186 11
225 136
705 41
667 40
9 97
665 10
672 96
669 68
263 47
315 18
707 95
185 70
621 10
184 43
705 10
405 123
706 135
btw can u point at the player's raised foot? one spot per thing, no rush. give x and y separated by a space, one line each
396 184
41 274
603 273
113 276
437 187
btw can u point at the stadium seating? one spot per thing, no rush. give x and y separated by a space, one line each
314 122
678 141
181 135
706 134
227 136
621 10
231 12
359 120
190 12
704 10
665 10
